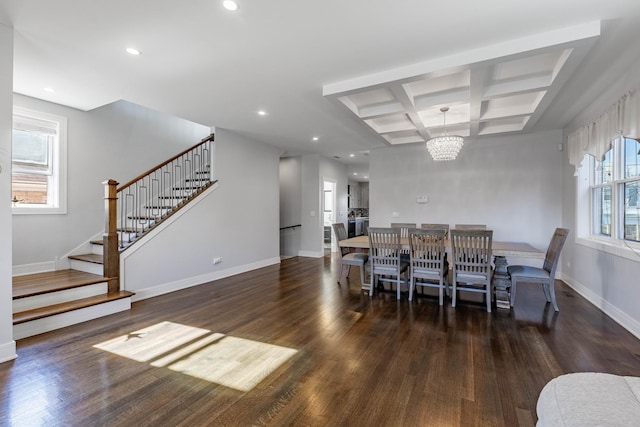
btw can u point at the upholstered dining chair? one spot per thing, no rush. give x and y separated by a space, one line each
347 256
404 234
384 253
544 276
427 265
471 227
471 259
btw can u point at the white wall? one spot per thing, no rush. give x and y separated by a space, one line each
511 183
117 141
238 221
7 345
608 281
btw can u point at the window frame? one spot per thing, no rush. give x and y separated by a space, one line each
58 185
587 224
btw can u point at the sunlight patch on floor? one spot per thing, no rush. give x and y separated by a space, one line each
233 362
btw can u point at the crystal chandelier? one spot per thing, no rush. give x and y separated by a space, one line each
445 147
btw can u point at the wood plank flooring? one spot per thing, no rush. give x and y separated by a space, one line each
357 362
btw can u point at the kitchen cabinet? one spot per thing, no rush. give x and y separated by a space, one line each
358 193
360 226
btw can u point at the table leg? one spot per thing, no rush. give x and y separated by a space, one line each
501 283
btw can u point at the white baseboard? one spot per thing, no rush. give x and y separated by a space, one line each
141 294
38 267
619 316
8 351
311 254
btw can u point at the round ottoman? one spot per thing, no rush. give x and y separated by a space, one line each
589 399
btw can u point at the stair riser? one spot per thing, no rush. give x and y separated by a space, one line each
97 249
89 267
43 300
51 323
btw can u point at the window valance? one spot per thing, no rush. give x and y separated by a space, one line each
595 138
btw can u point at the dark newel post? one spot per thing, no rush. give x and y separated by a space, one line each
110 237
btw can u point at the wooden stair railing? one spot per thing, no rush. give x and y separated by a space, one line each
135 208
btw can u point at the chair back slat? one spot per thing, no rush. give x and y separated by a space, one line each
471 250
554 249
427 249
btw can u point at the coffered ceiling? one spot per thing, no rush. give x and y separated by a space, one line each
505 88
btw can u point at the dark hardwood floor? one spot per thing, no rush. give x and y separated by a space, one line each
357 361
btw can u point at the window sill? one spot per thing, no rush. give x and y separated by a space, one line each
38 211
631 252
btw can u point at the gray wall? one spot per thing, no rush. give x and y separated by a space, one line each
238 221
311 218
117 141
7 345
610 282
511 183
290 205
315 169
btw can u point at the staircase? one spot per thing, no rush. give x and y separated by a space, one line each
90 289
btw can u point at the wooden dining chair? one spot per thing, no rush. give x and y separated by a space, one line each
439 227
471 227
427 250
544 276
471 259
436 227
404 234
384 252
348 256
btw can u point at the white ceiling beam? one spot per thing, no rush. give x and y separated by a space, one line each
380 110
518 86
448 97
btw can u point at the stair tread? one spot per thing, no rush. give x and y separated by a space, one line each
51 281
94 258
51 310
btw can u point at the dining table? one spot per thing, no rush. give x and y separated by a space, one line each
500 251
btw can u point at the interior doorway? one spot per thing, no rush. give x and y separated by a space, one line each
328 214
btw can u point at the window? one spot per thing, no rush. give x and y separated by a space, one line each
615 184
38 161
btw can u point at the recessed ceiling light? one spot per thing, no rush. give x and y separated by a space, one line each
352 155
355 173
133 51
262 113
230 5
49 89
315 138
366 177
